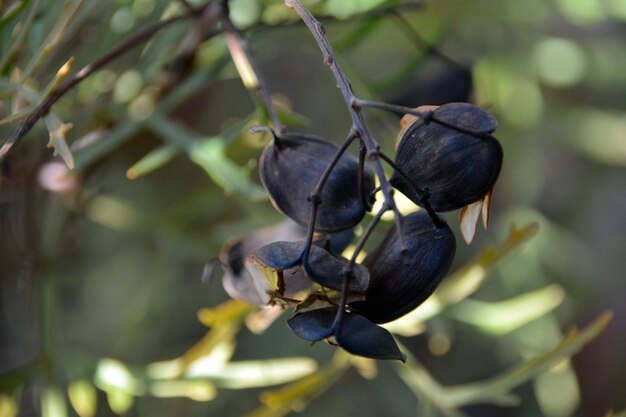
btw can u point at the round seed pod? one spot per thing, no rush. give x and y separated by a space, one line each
455 168
290 168
399 282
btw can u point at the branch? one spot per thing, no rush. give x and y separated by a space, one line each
126 45
358 122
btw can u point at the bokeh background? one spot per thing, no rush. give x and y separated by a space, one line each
104 273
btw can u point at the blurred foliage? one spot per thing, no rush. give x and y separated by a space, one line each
103 268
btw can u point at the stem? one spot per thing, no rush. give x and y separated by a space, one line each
358 122
427 116
418 190
366 203
126 45
316 197
349 272
243 56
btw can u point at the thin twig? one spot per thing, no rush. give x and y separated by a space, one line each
358 122
423 194
128 44
316 196
422 43
349 271
428 116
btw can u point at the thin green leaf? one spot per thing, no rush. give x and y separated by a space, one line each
8 406
152 161
53 402
291 118
194 390
54 38
557 391
120 385
11 11
83 397
225 321
210 155
18 44
492 389
298 394
424 386
342 9
505 316
356 36
262 373
110 142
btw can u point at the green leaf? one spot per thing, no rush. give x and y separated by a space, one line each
225 321
8 407
11 11
120 385
194 390
557 391
343 9
53 402
297 395
494 388
152 161
210 155
262 373
83 397
505 316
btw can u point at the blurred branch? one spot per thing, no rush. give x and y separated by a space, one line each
422 43
358 121
128 44
53 40
496 390
248 69
8 58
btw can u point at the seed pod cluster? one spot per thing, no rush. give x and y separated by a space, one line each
445 161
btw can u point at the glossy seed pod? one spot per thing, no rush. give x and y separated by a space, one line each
290 168
456 168
399 282
355 334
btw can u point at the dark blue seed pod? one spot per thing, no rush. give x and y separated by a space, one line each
401 281
455 168
313 325
355 334
290 168
329 271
